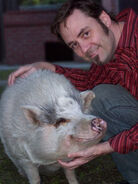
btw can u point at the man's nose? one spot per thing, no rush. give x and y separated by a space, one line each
84 47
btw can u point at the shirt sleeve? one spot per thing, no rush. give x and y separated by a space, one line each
125 141
78 77
84 79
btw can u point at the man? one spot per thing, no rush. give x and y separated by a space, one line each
111 44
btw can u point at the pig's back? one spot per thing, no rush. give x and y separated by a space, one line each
41 87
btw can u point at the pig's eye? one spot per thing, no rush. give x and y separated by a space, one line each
61 121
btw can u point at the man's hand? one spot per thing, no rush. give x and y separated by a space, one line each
28 69
82 157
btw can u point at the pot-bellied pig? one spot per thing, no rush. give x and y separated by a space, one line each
42 119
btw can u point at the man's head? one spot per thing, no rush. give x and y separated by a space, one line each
85 27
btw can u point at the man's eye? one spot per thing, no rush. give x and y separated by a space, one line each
74 45
86 34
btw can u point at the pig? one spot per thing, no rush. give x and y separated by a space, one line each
43 118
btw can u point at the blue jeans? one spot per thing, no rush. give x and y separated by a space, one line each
119 109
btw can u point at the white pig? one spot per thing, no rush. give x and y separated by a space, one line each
42 119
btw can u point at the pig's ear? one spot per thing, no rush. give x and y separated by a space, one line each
31 113
87 97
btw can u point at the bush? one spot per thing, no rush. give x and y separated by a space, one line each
39 2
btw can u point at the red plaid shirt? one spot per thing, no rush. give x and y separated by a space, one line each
122 70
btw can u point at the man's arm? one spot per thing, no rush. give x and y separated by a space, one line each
125 141
84 156
85 79
81 79
24 71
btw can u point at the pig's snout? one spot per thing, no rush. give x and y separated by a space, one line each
98 125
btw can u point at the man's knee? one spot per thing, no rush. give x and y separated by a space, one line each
109 97
106 96
113 93
114 103
109 90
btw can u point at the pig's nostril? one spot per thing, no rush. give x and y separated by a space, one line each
95 124
96 121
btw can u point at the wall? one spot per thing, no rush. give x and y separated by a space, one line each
26 33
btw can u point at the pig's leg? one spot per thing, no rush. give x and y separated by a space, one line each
71 177
31 171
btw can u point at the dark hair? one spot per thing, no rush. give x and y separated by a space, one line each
89 7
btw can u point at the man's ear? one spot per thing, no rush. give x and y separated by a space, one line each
87 97
105 19
31 113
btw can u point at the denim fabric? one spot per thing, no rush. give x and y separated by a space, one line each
119 109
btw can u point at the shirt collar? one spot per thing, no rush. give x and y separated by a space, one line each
126 16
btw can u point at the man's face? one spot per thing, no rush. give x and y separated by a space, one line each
87 38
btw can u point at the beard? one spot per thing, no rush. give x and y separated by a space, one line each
97 59
109 53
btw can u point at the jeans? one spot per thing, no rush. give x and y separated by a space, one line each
119 109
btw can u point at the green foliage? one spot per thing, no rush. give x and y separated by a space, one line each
39 2
4 74
1 89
